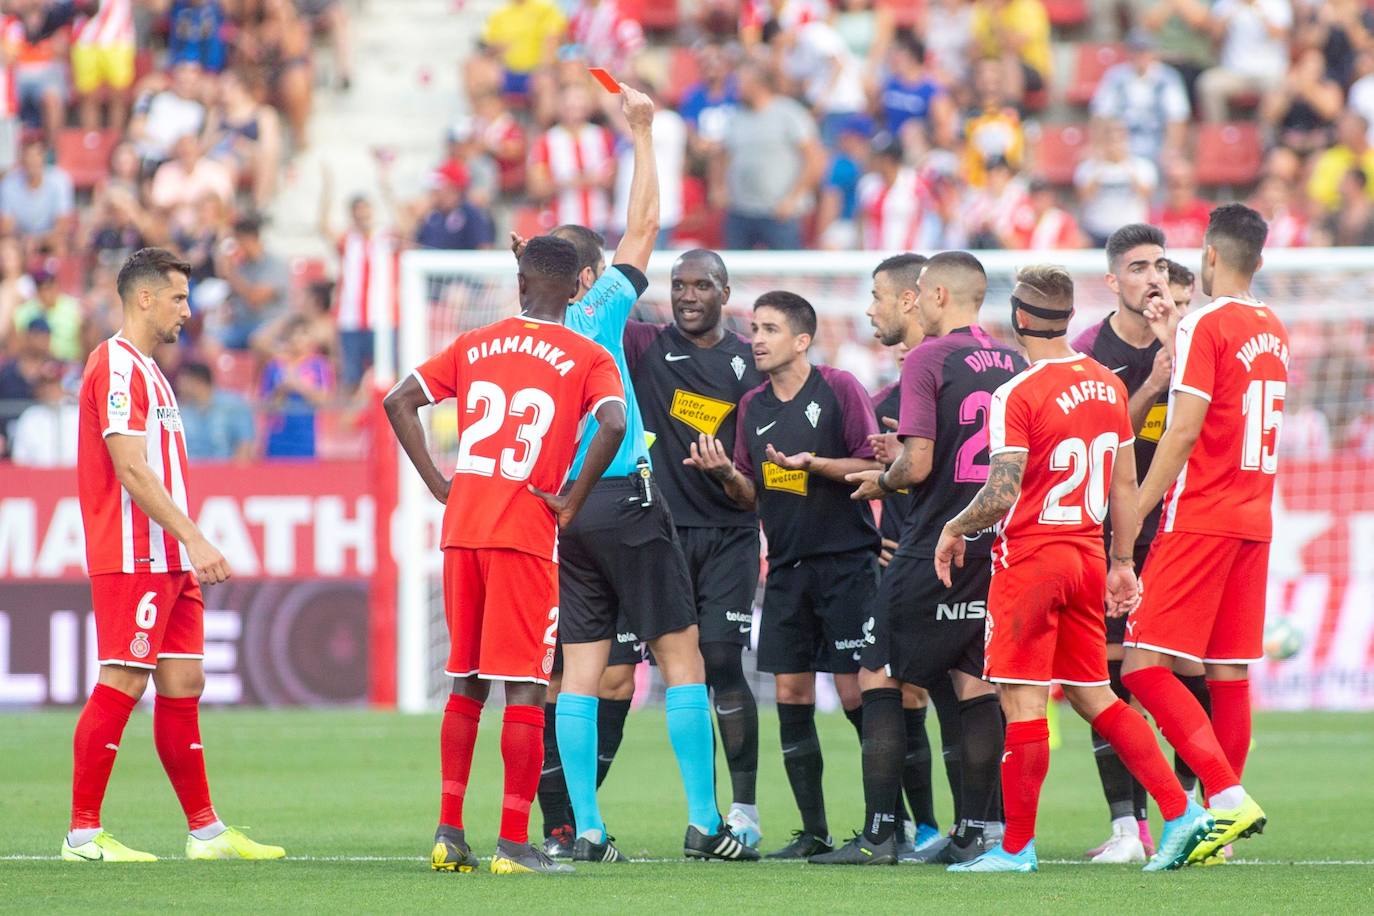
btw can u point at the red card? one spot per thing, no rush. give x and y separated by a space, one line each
604 78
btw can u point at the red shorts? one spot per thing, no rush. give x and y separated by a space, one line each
1203 599
502 610
143 617
1045 619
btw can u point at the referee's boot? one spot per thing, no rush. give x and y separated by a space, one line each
722 846
584 850
860 851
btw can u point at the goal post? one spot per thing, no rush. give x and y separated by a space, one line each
1326 297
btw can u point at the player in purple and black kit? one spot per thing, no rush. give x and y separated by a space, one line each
798 436
1125 343
928 633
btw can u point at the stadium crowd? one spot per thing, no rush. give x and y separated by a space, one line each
867 124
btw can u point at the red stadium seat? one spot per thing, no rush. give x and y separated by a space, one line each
701 227
1093 60
1067 14
1060 149
659 15
1228 154
305 271
85 155
683 73
236 371
905 13
530 221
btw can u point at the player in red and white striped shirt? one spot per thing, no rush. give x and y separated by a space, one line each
572 167
146 559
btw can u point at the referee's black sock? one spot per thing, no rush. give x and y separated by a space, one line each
610 729
946 705
916 768
884 746
801 757
982 733
553 791
1197 686
737 716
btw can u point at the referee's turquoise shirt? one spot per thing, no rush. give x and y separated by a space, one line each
601 315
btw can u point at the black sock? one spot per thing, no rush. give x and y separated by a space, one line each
801 757
553 791
856 719
884 745
737 716
1197 686
946 705
610 729
916 768
982 731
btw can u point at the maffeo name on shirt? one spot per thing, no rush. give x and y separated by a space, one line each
1084 391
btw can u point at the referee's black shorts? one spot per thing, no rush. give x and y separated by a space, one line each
620 568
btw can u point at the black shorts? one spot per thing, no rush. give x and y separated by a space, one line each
724 566
620 568
818 613
924 630
1116 626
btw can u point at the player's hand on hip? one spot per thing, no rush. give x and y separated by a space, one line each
798 462
561 506
866 483
949 552
210 566
1123 591
638 108
889 549
441 490
709 456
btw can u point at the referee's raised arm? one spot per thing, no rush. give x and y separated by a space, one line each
641 217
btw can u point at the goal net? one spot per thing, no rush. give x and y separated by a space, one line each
1319 581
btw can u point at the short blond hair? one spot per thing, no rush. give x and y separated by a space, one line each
1052 281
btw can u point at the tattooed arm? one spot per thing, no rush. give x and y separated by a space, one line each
987 508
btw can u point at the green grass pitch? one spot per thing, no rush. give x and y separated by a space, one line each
353 797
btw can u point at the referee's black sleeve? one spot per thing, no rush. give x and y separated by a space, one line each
635 276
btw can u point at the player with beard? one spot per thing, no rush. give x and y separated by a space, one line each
797 437
1125 343
894 278
930 631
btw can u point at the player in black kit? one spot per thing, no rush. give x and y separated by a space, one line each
894 278
798 436
689 377
928 632
1125 343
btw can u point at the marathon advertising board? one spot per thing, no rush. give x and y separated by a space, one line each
290 628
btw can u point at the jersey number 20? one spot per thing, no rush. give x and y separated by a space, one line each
533 405
1090 460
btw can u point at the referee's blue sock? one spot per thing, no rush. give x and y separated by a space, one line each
576 729
694 743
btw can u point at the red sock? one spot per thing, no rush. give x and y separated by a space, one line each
176 732
457 738
1185 725
1025 761
1134 742
522 748
1231 720
93 751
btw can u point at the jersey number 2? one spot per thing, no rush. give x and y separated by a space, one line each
973 411
530 404
1090 460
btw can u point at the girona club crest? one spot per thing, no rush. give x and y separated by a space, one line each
139 647
548 662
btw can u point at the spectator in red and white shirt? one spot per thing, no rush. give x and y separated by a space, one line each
1288 225
763 20
897 211
35 44
606 36
989 213
504 141
1183 216
1041 224
572 167
103 57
